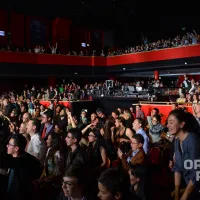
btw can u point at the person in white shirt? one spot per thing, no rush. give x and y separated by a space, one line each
138 87
37 146
37 49
192 89
53 49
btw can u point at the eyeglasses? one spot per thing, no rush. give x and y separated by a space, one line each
10 145
134 143
69 137
91 136
68 184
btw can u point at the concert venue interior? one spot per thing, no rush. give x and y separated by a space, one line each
98 100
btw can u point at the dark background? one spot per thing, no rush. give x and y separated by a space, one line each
126 21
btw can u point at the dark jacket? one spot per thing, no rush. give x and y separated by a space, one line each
26 169
63 197
76 158
8 109
51 130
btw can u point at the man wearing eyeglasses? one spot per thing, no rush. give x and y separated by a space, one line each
74 184
76 156
24 168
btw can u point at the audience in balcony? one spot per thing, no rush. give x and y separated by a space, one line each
187 39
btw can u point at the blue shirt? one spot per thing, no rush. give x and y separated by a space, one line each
146 140
133 154
190 151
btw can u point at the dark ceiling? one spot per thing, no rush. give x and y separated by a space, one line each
108 13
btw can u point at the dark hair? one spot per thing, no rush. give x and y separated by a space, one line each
139 105
140 121
99 110
157 110
122 120
49 114
76 133
116 112
110 122
113 181
56 141
191 125
158 117
36 122
94 149
139 138
138 171
127 110
19 141
76 172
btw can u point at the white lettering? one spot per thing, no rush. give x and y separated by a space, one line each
197 175
186 166
196 164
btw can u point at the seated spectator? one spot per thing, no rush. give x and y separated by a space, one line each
76 156
108 136
74 184
113 186
123 135
36 146
24 168
137 176
4 165
127 115
138 125
54 161
37 49
181 99
156 129
96 151
174 106
115 114
136 155
139 112
47 126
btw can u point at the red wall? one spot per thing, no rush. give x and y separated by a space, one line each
60 29
3 26
61 34
163 109
17 29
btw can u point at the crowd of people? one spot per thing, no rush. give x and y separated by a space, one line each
70 90
47 153
185 40
189 91
190 38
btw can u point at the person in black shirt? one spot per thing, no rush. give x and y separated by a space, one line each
76 156
23 170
